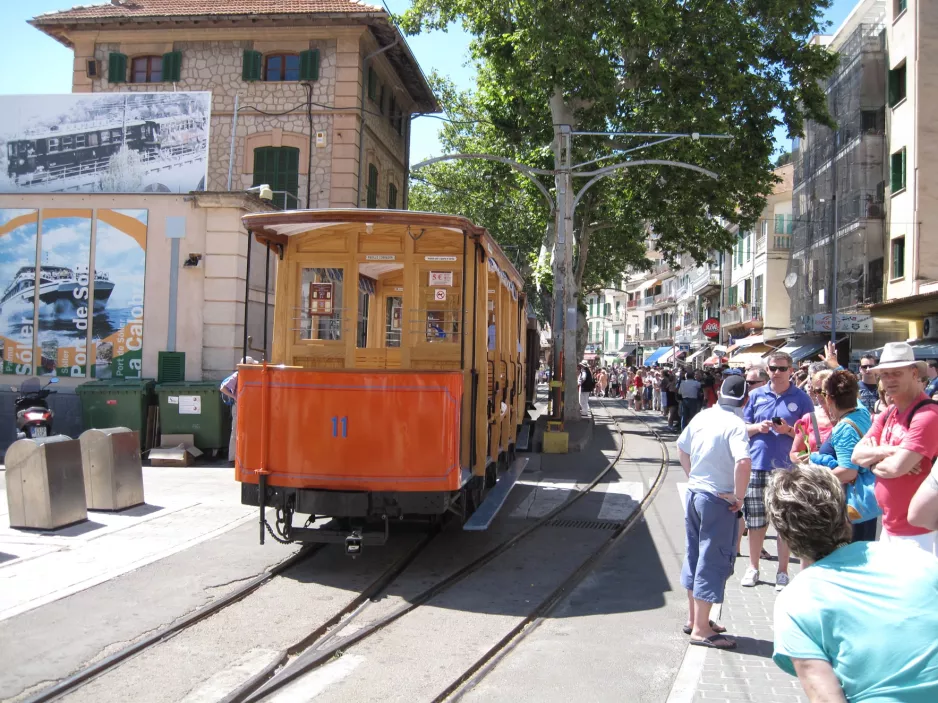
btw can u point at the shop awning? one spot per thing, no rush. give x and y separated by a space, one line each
744 359
697 354
669 355
803 348
626 349
746 342
715 360
656 354
923 350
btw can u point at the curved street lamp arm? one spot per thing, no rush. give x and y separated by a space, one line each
521 168
601 173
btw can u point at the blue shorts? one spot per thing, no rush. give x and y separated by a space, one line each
711 529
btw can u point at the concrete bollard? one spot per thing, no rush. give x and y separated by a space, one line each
112 468
45 488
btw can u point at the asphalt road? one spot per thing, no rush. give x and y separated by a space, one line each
616 637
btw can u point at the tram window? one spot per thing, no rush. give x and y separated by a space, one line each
105 137
394 315
53 145
79 141
491 326
364 304
321 303
66 143
116 135
440 292
378 285
93 139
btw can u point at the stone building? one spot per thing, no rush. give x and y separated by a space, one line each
320 94
325 89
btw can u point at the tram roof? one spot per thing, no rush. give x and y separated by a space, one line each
275 226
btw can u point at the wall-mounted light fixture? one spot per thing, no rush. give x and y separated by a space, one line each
193 261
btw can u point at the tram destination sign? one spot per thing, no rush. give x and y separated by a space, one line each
104 142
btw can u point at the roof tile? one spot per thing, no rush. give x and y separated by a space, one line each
128 9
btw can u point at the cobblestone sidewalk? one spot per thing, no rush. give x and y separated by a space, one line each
748 672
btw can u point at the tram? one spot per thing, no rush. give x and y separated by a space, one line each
398 376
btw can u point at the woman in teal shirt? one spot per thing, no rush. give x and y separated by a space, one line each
851 422
859 622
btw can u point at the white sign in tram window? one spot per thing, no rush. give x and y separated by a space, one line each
190 405
441 278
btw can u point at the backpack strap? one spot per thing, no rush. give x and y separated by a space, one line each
854 426
921 404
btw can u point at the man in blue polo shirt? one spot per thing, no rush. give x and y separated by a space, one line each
770 415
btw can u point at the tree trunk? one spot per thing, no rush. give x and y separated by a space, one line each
565 294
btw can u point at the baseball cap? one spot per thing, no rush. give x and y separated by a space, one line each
733 391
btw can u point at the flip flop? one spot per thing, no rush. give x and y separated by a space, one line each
716 642
765 555
719 629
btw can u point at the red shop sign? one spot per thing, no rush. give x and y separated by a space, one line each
711 328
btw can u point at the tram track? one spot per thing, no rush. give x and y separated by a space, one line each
479 669
334 645
85 675
321 644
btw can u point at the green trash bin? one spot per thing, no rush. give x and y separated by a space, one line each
196 408
117 403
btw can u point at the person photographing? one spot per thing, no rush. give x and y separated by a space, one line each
770 415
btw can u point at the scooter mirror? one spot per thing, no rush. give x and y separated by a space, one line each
53 380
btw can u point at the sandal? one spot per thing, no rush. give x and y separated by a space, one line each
716 642
719 629
765 555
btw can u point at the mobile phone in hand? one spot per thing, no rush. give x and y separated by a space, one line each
777 420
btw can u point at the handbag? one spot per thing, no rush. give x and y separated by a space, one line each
861 495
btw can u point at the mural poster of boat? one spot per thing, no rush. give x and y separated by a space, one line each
18 238
72 301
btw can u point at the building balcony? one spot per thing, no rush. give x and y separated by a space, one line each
684 293
746 314
646 302
704 280
632 304
659 336
773 242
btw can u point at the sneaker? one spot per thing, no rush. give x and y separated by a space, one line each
781 580
751 578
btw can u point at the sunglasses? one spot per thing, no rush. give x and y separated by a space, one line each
755 384
820 391
778 368
867 367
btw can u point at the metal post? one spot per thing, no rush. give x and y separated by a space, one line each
173 293
234 136
266 294
247 294
835 263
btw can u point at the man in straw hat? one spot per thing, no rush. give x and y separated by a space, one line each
901 446
714 452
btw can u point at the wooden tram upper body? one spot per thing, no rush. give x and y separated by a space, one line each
396 384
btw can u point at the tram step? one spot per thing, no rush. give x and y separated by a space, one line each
482 518
524 438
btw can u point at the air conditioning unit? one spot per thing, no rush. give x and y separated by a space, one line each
930 327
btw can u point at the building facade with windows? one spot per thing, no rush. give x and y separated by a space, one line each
911 271
756 300
324 89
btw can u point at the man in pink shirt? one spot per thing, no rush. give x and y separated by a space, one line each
901 445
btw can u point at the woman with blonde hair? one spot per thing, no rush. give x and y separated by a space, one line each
813 429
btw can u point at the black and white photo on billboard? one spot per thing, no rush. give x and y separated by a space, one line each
104 142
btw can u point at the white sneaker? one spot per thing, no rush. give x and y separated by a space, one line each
751 578
781 580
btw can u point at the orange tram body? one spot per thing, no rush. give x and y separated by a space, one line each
401 371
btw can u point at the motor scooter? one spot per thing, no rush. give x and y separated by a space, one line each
33 416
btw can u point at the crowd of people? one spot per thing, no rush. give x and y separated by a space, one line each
678 394
831 460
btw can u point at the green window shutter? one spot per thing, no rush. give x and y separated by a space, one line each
902 173
893 88
279 167
170 367
392 197
172 66
897 171
372 195
309 65
251 65
116 68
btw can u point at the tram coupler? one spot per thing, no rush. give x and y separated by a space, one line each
354 543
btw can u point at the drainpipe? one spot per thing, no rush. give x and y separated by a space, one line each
361 138
405 203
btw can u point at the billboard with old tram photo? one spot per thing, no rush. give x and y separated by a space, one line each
104 142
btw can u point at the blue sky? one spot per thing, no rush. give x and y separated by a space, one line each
50 64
